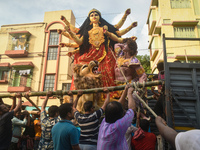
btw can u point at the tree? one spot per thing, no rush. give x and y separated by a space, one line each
145 61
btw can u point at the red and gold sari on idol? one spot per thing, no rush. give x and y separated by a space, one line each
106 65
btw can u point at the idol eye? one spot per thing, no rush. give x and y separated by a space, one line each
96 14
91 15
84 66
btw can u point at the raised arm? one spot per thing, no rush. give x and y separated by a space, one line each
107 99
131 101
19 104
166 132
73 28
1 101
13 104
124 94
49 94
80 93
76 39
124 31
112 36
121 22
75 45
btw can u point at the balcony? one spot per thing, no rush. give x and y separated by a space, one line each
152 20
16 53
21 77
18 44
155 53
18 89
4 72
4 81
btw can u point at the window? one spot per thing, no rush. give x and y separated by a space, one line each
170 54
52 53
167 21
184 32
18 41
54 38
4 74
49 82
21 77
180 3
66 86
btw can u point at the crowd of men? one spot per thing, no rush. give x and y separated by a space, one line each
108 128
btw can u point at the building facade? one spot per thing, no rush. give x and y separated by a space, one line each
31 58
176 19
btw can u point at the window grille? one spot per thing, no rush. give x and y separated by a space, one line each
49 82
52 53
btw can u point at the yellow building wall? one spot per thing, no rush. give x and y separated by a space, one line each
37 50
164 16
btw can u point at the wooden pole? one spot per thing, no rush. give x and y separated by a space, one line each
85 91
141 100
34 104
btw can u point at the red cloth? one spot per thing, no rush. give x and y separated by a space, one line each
146 143
160 77
139 134
106 65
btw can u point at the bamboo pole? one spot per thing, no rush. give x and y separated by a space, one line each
33 104
85 91
141 100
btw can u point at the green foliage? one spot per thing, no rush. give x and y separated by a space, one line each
145 61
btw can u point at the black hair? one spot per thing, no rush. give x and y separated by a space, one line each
0 107
64 109
144 124
86 26
53 110
132 45
88 106
160 66
113 112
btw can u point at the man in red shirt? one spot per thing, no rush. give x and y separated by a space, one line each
146 140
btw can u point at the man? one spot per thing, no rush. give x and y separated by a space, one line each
188 140
5 122
159 106
145 142
47 123
17 124
65 135
37 128
89 123
115 124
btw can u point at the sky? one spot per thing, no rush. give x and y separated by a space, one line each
31 11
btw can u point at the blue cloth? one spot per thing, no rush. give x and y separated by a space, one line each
64 135
17 128
87 147
6 129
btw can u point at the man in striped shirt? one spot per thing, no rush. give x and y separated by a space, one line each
89 123
115 124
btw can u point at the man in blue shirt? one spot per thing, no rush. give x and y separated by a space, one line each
65 135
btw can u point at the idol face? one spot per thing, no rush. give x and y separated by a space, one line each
94 17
